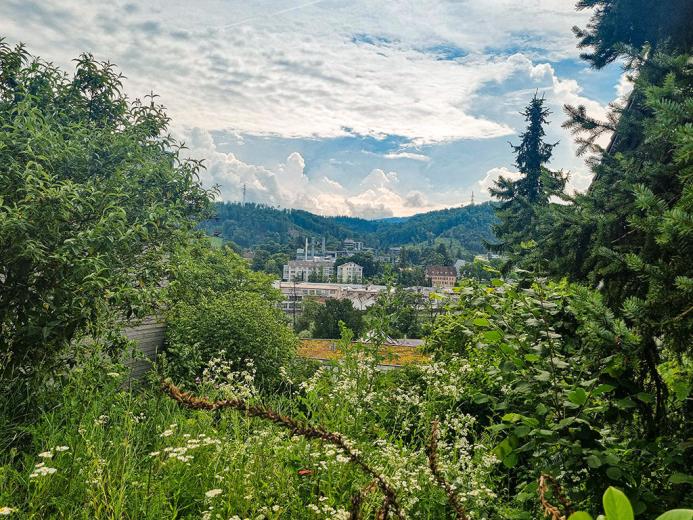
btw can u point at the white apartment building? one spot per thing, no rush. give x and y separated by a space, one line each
361 296
304 270
349 272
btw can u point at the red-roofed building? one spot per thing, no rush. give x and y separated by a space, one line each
441 275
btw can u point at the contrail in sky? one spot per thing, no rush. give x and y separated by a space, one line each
276 13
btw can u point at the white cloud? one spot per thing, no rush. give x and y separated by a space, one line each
287 185
491 177
624 87
408 155
379 179
301 70
318 70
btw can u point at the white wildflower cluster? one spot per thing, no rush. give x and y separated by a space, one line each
406 471
41 470
447 378
266 510
312 383
213 493
231 382
169 431
7 511
466 465
138 418
181 453
327 511
285 376
101 420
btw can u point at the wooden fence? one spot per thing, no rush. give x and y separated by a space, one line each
149 336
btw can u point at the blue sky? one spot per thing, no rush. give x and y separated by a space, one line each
366 108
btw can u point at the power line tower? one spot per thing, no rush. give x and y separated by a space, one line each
244 193
472 198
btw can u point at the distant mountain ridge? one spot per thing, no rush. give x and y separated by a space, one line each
252 224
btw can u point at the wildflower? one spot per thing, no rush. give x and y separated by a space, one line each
62 448
41 470
166 433
46 454
113 374
213 493
7 511
154 453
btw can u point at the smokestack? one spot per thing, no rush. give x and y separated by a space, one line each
323 246
312 249
305 250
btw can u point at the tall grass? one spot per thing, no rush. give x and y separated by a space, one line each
106 450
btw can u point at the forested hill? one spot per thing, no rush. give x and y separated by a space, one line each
252 224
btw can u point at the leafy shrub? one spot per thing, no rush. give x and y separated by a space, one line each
560 388
234 326
94 198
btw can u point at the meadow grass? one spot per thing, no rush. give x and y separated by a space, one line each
107 449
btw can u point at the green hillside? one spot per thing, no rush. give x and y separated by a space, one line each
250 225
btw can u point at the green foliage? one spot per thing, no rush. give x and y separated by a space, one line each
94 200
562 391
233 326
219 308
254 225
623 27
618 507
324 319
399 313
198 271
630 234
521 199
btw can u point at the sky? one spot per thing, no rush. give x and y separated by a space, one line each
367 108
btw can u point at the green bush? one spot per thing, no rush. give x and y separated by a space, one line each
233 326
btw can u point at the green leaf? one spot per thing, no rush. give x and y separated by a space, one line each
481 322
616 505
677 514
593 461
493 336
614 473
603 389
511 460
645 397
505 447
681 478
578 396
542 375
532 358
481 398
580 515
564 422
625 404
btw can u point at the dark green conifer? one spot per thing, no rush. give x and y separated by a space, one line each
522 199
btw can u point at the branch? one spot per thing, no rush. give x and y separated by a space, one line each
298 428
432 452
550 509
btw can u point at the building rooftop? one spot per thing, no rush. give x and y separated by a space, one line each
441 270
310 263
